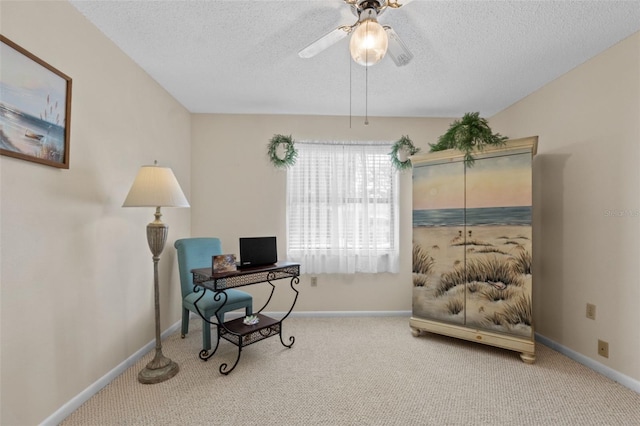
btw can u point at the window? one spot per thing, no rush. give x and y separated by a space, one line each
342 208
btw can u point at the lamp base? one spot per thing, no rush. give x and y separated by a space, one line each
153 373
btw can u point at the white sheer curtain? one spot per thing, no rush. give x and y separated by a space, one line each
342 208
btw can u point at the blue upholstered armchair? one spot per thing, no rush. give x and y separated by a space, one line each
196 253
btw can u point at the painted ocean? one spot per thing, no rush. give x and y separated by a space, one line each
520 215
24 133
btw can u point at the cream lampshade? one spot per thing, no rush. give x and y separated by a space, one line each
155 186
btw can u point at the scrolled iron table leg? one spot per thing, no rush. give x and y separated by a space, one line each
292 340
223 367
204 353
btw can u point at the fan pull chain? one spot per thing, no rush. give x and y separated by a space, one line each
350 83
366 84
366 95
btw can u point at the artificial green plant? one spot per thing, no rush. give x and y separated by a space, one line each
470 133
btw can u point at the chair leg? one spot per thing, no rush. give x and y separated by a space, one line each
185 322
206 335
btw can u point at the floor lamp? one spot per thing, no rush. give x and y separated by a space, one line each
157 187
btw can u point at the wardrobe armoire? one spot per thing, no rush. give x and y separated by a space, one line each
472 245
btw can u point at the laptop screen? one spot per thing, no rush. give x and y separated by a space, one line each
258 251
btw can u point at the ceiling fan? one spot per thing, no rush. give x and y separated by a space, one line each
370 40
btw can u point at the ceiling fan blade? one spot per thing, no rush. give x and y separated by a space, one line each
397 50
326 41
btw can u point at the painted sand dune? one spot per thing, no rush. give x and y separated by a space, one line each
479 276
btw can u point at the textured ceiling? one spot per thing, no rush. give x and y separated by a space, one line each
241 56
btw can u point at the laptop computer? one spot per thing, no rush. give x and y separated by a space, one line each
257 251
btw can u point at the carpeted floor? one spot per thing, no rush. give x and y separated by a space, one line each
365 371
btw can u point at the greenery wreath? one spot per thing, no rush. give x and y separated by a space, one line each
290 154
403 144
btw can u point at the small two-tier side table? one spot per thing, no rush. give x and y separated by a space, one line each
235 331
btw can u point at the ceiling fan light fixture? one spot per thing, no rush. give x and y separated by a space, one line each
369 42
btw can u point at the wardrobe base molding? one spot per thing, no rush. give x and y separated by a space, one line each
526 347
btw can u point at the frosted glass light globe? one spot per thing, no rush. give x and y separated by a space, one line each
369 43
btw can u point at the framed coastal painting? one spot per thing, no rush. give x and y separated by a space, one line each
35 108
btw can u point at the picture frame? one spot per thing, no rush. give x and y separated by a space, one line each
223 263
35 108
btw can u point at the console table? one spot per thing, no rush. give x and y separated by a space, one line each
235 331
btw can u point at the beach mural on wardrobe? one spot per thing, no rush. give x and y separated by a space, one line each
472 243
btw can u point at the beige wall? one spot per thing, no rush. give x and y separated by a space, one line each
587 204
76 297
237 192
76 272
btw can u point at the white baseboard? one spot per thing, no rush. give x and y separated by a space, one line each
614 375
71 406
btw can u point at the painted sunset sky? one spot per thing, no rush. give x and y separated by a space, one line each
30 87
491 182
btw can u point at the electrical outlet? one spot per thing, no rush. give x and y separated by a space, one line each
314 281
603 348
591 311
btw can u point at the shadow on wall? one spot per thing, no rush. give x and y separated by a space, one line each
548 242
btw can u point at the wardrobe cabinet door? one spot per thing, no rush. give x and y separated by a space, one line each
498 244
439 242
